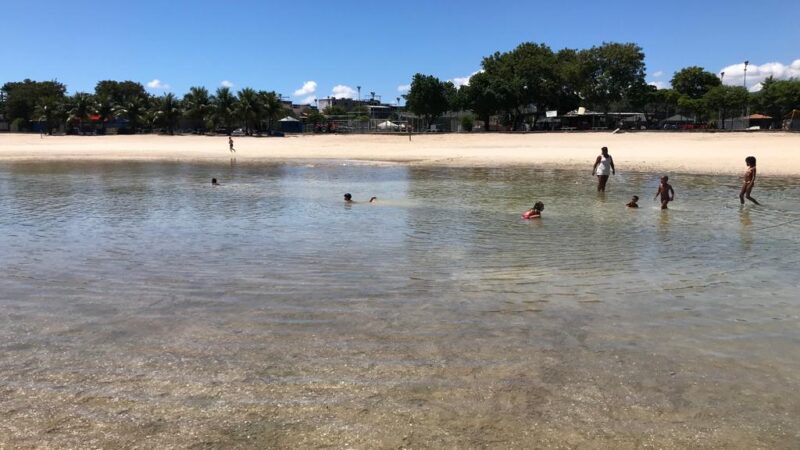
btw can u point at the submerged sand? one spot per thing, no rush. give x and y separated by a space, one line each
778 153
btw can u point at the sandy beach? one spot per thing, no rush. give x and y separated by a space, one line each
718 153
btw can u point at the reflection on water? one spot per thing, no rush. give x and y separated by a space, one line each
140 304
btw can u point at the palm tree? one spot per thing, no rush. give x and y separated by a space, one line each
168 111
82 105
247 107
270 107
134 110
197 106
223 105
105 109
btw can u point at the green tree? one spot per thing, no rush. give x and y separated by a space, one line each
224 105
22 97
610 73
694 82
197 106
777 97
481 98
104 107
134 110
81 106
725 101
168 112
120 92
247 107
270 108
428 97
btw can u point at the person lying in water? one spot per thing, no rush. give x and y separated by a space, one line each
634 203
214 182
535 212
349 199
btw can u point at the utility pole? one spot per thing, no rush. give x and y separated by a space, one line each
747 114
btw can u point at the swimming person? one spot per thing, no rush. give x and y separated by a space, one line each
348 198
749 180
535 212
373 199
214 182
230 144
603 167
634 203
665 191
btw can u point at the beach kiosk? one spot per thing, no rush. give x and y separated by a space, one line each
290 125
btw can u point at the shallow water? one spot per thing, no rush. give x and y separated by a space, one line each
139 306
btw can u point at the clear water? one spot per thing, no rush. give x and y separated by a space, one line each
141 306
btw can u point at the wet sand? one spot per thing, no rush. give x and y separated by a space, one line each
778 153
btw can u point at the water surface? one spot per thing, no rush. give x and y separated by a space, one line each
139 306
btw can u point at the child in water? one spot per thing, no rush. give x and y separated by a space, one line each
634 202
214 182
535 212
749 180
665 191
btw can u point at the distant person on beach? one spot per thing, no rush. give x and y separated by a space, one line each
535 212
749 180
230 145
603 167
665 191
214 182
634 203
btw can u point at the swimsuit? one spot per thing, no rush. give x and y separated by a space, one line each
604 167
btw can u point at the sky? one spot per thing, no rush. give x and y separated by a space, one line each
316 49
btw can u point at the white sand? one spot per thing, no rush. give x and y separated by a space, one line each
777 153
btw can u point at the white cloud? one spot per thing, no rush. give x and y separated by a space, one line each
342 91
227 84
463 81
308 100
158 84
756 74
658 73
309 87
659 84
403 88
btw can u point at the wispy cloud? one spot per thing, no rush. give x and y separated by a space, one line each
403 88
158 84
226 83
309 87
658 74
756 74
343 91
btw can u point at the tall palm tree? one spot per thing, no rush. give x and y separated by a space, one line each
223 105
134 110
168 111
104 107
197 106
82 105
270 107
247 107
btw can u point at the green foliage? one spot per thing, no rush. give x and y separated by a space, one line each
725 101
467 123
777 97
693 82
197 106
428 97
167 112
610 73
22 97
120 92
224 104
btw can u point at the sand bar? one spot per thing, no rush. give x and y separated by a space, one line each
778 153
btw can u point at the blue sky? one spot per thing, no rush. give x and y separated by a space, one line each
338 45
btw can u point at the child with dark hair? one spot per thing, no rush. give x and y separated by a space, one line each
749 180
634 203
535 212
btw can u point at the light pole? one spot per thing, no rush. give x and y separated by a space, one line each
359 93
747 113
721 82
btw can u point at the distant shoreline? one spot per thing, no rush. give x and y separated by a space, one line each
720 152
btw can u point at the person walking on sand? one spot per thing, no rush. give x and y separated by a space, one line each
665 191
603 167
230 144
749 180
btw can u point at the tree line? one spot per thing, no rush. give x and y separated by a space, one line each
27 102
606 78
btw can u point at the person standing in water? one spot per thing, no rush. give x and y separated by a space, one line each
749 180
230 145
665 191
603 167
